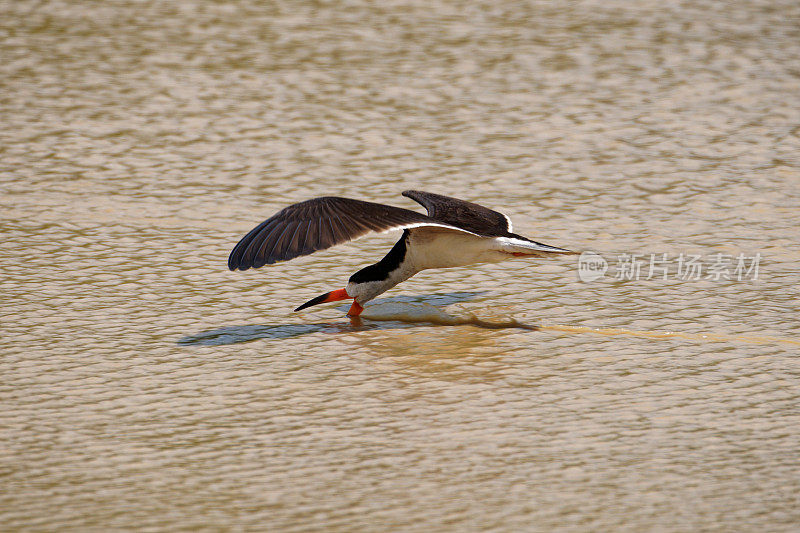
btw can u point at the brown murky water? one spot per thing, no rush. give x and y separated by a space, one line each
144 386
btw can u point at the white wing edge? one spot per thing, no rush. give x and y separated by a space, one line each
427 224
510 225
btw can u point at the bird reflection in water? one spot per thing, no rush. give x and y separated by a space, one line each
391 313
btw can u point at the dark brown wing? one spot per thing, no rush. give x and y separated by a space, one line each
317 224
462 214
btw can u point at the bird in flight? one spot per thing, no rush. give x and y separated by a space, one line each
454 233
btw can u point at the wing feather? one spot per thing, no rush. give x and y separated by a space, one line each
260 254
254 241
282 242
340 227
462 214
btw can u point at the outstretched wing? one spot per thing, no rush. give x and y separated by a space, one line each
462 214
317 224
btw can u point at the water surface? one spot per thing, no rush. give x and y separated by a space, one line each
147 387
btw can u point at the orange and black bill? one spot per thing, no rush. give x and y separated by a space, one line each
333 296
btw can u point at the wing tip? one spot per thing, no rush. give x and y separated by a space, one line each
233 261
558 250
233 267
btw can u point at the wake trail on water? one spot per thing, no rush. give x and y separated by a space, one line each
425 313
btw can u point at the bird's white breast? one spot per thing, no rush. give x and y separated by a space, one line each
443 248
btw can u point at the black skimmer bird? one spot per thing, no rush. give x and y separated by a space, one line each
454 233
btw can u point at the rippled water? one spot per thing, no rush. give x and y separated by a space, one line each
146 386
